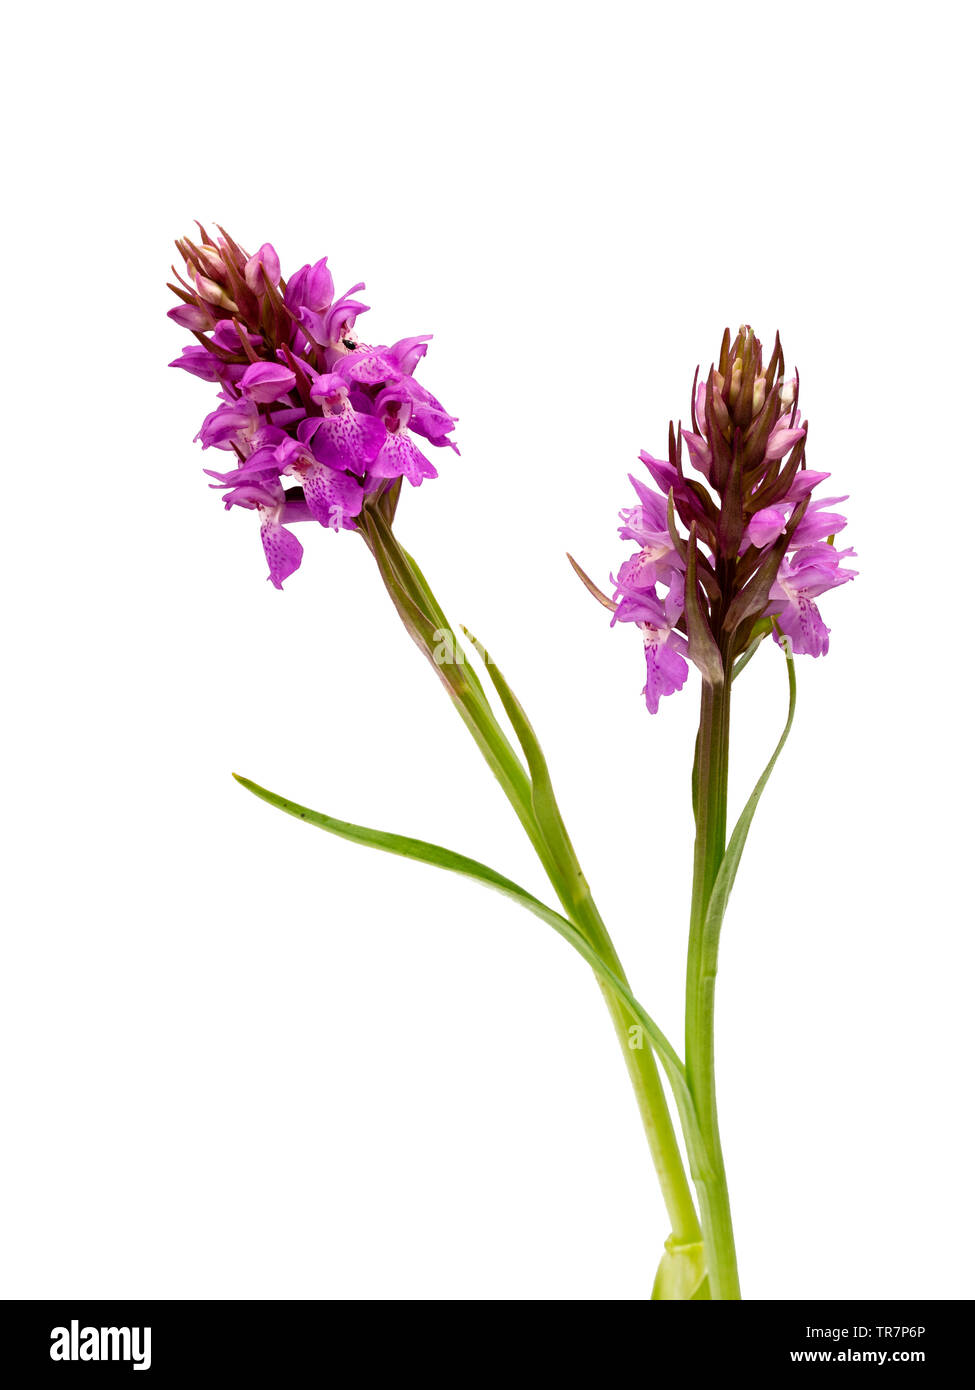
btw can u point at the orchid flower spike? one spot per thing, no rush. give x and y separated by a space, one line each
317 421
743 542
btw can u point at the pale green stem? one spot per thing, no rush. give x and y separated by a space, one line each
711 808
562 869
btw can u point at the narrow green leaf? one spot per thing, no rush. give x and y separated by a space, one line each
417 606
761 631
441 618
727 870
424 626
543 793
426 853
395 572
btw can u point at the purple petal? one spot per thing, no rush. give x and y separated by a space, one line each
333 497
294 290
639 572
429 417
801 622
348 440
803 483
408 351
664 474
228 425
781 440
282 550
340 319
329 390
699 450
267 381
191 316
765 525
399 457
201 363
266 260
368 366
653 505
225 336
319 287
816 526
666 674
314 325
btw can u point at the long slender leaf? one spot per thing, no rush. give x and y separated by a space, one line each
417 605
427 853
728 869
549 816
520 722
762 630
543 793
427 629
440 616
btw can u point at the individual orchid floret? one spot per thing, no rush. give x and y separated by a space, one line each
265 382
259 489
801 579
664 647
742 543
319 422
311 287
230 426
647 525
399 457
262 269
429 417
333 496
333 324
342 437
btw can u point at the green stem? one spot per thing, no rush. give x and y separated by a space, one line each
423 617
711 810
654 1112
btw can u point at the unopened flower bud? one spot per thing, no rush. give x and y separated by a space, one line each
213 260
191 316
215 294
721 417
263 262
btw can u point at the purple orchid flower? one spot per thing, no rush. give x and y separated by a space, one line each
664 647
302 400
399 456
802 578
261 491
763 546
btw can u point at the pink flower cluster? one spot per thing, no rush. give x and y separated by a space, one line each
763 548
317 420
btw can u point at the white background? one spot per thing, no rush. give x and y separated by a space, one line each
243 1059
